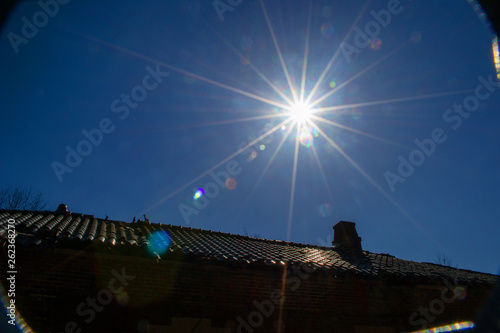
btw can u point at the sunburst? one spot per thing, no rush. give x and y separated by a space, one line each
301 113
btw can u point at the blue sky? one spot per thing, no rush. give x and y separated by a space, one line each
155 96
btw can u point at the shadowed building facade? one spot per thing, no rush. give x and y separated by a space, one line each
78 273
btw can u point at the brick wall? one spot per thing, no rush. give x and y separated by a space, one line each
52 284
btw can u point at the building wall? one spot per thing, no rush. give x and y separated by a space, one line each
62 290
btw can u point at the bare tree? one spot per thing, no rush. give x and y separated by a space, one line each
443 259
245 233
22 198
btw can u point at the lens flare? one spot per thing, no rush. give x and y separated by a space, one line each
327 30
325 210
449 328
460 292
416 37
122 298
231 183
306 138
198 194
18 321
159 242
253 155
375 44
496 55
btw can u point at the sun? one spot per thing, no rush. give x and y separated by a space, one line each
300 112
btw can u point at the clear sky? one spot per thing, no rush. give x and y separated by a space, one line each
124 108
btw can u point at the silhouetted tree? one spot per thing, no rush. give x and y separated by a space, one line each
22 198
245 233
443 259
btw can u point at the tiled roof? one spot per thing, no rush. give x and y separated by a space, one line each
43 229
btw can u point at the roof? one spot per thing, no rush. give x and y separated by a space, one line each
62 229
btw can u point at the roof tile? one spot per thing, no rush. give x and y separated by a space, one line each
43 229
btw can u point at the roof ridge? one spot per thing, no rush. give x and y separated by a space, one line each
457 268
141 238
162 225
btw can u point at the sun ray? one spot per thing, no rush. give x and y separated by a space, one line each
160 127
292 191
271 159
343 84
347 128
386 101
378 187
280 55
299 124
282 298
231 78
232 121
203 174
255 69
306 53
335 55
182 71
323 175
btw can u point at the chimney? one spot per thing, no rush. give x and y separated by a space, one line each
345 236
62 209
